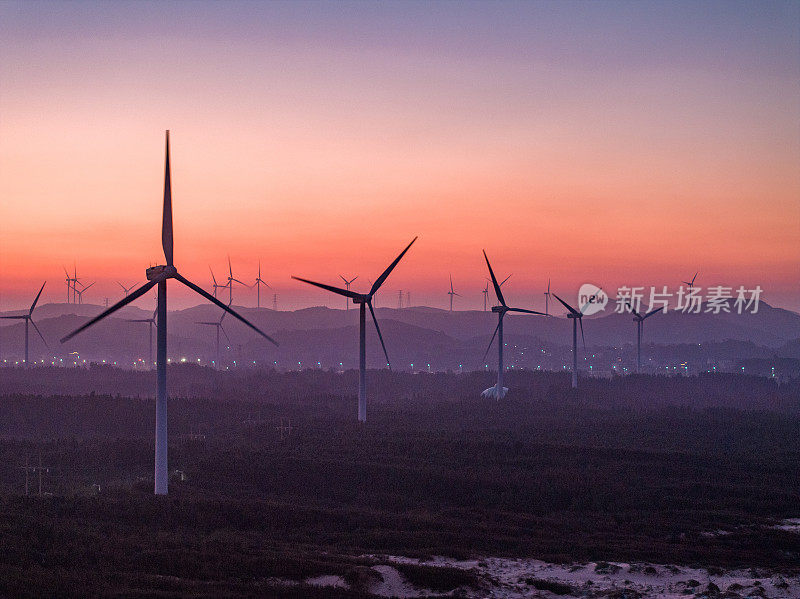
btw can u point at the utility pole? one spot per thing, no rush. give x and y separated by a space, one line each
400 299
275 302
28 469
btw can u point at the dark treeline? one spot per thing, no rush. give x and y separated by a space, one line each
631 469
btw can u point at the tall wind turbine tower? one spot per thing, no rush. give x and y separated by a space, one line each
452 293
364 301
231 280
499 391
28 318
347 286
259 282
158 275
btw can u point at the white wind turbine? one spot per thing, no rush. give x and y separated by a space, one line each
452 293
347 286
159 275
364 301
499 391
28 318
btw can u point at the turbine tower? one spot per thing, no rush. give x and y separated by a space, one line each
547 299
485 293
347 286
499 391
259 282
690 284
639 320
127 290
219 327
28 318
577 317
151 324
158 275
364 301
452 293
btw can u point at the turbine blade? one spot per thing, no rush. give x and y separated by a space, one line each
580 320
120 304
340 291
494 281
377 328
33 305
230 268
15 317
138 320
214 300
504 280
379 281
221 318
40 333
198 322
166 224
572 310
488 347
213 278
221 328
343 279
353 279
523 310
651 312
451 283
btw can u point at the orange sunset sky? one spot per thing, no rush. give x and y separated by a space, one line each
611 142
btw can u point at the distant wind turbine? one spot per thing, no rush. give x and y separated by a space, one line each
218 325
28 318
577 317
231 280
547 299
639 320
151 324
158 275
259 282
690 284
214 283
485 293
499 391
364 301
452 293
84 290
347 286
127 290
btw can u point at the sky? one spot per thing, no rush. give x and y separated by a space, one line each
616 143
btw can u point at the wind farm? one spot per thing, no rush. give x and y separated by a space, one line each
398 415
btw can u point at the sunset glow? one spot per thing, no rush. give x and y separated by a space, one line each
614 143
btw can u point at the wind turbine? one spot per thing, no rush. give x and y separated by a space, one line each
690 284
576 316
69 282
452 293
258 283
639 320
231 280
152 323
347 286
28 318
158 275
485 293
364 300
127 290
82 291
499 391
214 284
547 299
219 327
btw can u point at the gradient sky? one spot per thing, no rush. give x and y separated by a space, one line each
619 143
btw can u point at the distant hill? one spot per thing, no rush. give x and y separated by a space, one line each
418 336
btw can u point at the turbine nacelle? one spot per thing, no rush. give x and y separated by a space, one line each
161 272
